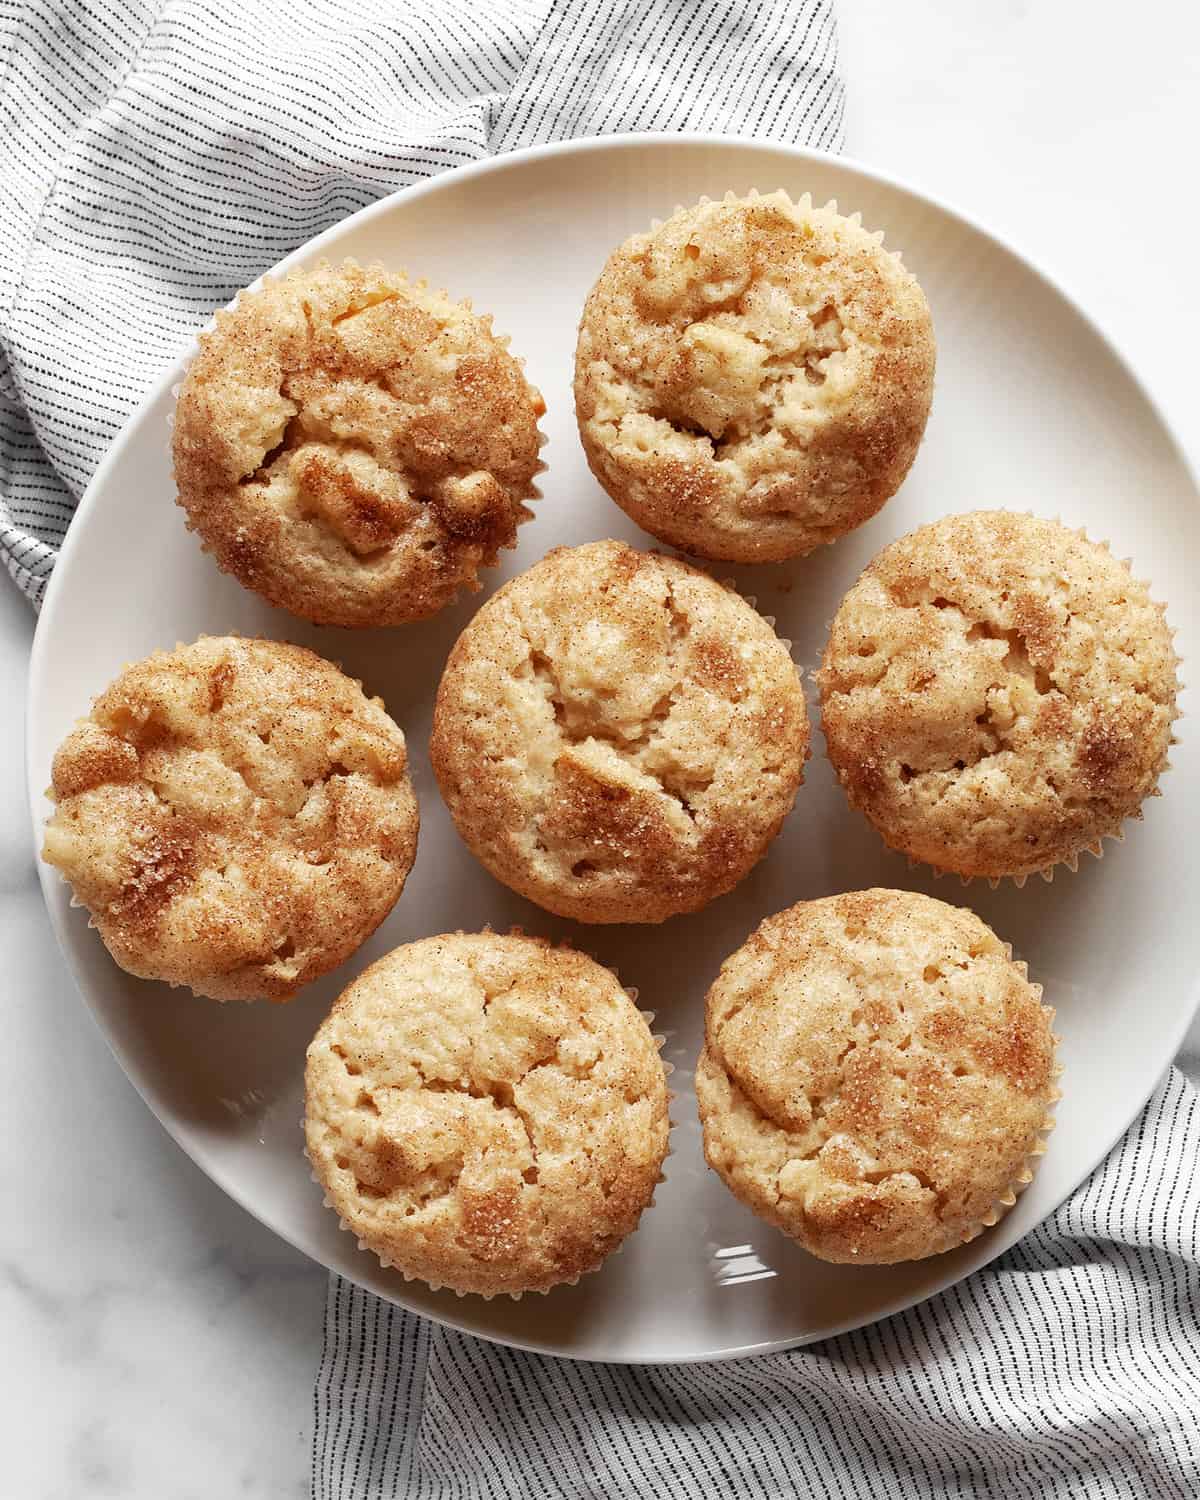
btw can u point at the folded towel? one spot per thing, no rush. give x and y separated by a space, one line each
1067 1369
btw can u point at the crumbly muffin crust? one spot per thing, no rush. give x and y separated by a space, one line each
617 736
753 377
236 815
487 1113
997 694
354 446
876 1075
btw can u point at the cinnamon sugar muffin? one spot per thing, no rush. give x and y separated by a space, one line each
236 815
617 736
998 694
753 377
876 1076
354 446
487 1113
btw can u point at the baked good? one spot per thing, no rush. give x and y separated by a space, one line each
876 1075
487 1113
753 377
617 736
354 446
997 694
236 815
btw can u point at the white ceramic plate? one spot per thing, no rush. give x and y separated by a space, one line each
1033 410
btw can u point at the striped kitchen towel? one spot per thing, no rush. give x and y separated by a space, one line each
159 155
1068 1369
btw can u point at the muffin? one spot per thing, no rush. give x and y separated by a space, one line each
236 815
487 1113
354 446
617 736
998 694
753 377
876 1076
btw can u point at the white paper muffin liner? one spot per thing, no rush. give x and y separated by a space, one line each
803 204
389 1265
1025 1175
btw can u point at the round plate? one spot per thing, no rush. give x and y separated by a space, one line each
1034 410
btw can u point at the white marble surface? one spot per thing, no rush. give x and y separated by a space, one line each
159 1343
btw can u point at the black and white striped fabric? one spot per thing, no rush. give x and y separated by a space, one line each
1066 1370
158 156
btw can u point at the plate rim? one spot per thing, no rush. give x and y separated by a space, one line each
38 664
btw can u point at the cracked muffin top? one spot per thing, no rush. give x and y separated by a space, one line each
487 1113
617 736
753 377
997 694
354 446
876 1075
236 815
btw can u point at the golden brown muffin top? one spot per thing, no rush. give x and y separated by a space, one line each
617 736
876 1075
236 815
355 446
487 1113
753 377
998 693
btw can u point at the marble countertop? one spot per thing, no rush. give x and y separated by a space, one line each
161 1343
